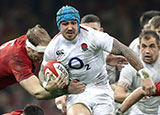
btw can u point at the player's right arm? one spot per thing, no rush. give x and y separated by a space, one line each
120 93
134 97
32 85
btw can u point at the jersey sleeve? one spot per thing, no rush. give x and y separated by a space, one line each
49 53
21 68
157 85
134 46
127 74
103 41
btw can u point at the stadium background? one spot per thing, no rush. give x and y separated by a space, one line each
120 18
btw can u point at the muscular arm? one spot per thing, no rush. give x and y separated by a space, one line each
121 49
32 85
120 93
132 99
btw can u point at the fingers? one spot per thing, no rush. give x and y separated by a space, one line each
61 82
59 106
149 92
61 103
76 87
56 83
148 85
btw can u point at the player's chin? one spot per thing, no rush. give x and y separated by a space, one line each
70 36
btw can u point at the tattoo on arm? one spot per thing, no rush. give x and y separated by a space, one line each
121 49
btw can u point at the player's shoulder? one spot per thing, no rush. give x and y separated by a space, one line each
128 69
55 39
134 43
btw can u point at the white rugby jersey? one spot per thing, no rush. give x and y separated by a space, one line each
129 75
83 56
134 46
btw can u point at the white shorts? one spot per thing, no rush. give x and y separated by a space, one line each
98 99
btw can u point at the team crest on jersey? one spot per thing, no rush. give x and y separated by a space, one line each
60 53
84 46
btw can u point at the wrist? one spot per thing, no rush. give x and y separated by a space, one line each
119 112
65 90
143 73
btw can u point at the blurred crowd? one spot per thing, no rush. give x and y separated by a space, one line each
119 18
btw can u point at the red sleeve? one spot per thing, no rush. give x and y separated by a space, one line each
157 84
21 67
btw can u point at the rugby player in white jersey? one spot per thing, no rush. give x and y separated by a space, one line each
113 62
149 55
80 49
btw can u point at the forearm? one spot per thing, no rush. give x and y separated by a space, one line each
121 97
132 99
132 57
32 86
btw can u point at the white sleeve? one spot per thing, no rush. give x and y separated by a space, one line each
127 74
103 41
49 53
134 46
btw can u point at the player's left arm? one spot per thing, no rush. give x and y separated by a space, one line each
134 97
119 48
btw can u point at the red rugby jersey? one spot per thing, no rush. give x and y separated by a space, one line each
15 64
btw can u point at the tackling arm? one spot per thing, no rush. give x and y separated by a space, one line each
32 85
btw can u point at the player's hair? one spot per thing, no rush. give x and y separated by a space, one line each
37 35
146 16
155 22
147 34
32 110
90 18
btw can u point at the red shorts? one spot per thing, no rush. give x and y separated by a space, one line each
157 84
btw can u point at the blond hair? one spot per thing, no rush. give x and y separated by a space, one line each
38 35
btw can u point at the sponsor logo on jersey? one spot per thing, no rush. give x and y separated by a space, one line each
60 53
84 46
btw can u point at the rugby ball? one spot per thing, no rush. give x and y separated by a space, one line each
53 70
